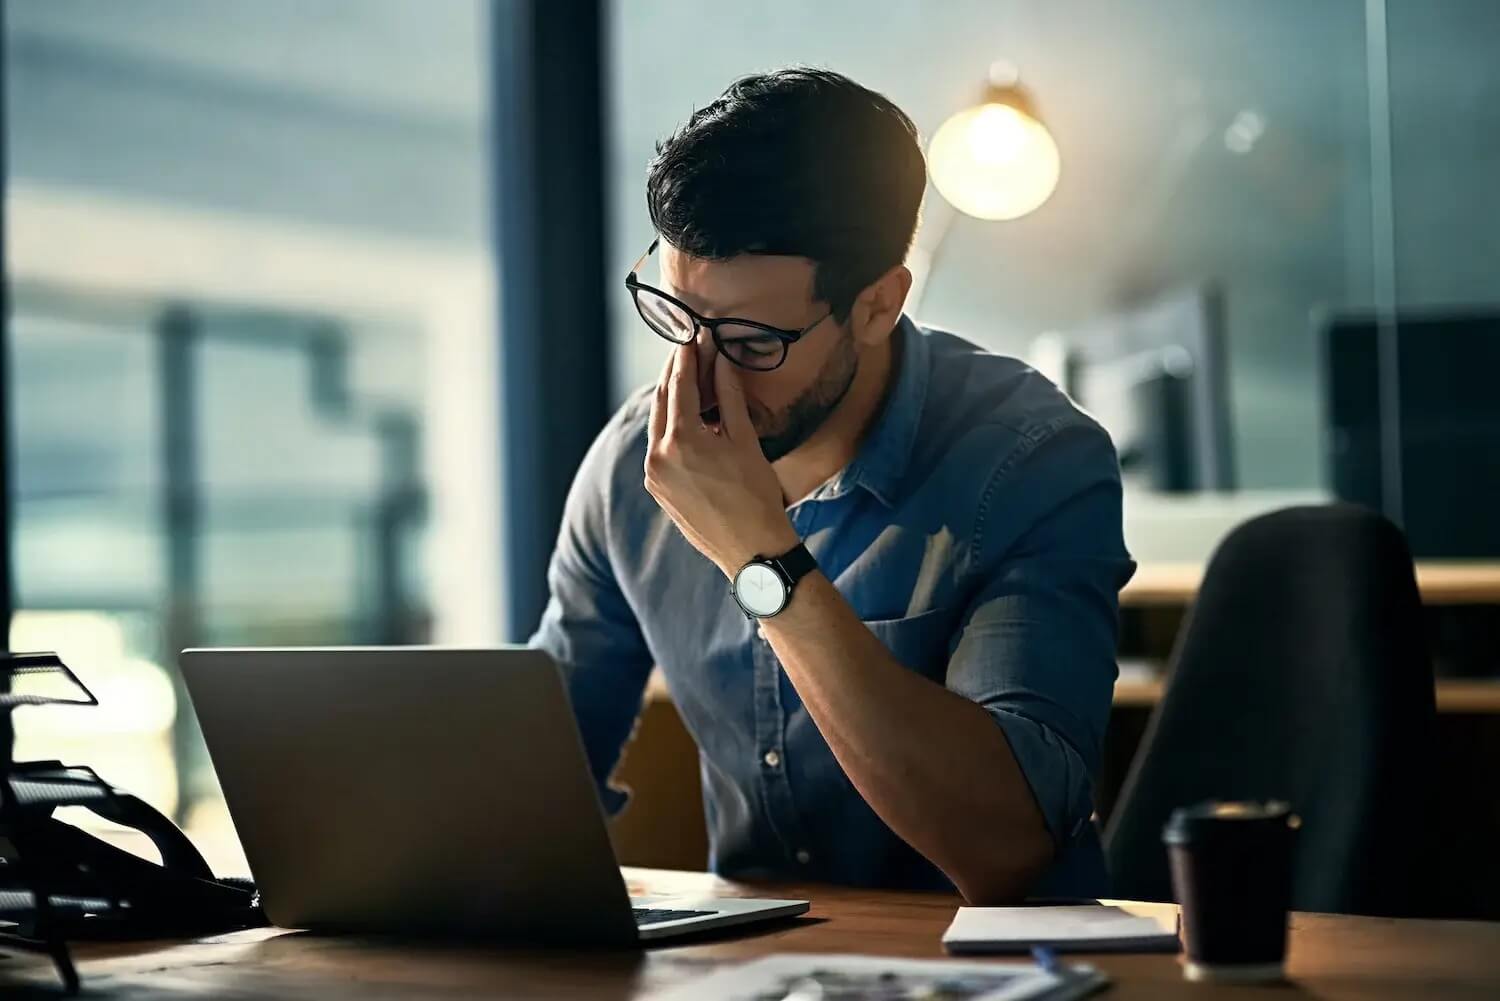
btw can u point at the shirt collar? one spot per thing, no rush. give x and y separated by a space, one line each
883 457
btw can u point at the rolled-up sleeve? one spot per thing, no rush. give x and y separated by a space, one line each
1037 645
588 627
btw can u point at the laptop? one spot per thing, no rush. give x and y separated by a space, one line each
425 791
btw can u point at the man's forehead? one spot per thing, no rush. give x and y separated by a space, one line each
723 287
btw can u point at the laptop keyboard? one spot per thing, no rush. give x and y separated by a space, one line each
656 915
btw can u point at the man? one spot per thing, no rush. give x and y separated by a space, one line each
917 698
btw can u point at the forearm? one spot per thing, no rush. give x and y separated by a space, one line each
934 765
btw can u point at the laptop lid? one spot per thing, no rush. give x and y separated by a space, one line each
416 790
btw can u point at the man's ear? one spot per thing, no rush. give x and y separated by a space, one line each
879 306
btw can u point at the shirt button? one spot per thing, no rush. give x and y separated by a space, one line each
804 856
772 759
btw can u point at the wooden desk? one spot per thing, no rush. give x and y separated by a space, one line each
1441 583
1331 958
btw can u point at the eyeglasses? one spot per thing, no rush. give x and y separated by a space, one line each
756 346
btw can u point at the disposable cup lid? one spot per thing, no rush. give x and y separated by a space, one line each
1190 823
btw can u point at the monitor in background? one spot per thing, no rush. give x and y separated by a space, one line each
1155 376
1449 403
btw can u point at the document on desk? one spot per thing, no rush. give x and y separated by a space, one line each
836 977
1080 928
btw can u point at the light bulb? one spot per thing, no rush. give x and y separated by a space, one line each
994 162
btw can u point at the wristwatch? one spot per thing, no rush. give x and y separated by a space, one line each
763 587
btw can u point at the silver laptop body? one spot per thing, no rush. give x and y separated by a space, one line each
421 790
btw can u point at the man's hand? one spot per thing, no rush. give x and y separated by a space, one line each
714 482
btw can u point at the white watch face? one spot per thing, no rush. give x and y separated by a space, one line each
760 590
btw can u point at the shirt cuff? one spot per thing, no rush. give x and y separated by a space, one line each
1058 778
613 799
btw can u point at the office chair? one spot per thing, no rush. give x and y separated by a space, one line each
1301 674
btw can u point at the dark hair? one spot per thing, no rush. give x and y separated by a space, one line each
799 161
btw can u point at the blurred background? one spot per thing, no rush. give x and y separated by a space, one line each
295 357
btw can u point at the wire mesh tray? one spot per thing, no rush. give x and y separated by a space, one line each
55 786
40 679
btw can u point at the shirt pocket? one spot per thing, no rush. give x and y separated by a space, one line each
920 642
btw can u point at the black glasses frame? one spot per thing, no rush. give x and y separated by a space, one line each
712 324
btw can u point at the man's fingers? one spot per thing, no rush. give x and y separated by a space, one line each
656 429
734 412
682 387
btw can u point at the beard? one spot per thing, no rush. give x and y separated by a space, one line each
782 433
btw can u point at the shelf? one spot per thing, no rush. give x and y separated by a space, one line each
1453 696
1441 583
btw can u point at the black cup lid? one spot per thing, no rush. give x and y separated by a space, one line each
1190 823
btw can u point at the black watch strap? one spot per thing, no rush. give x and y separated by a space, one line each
794 564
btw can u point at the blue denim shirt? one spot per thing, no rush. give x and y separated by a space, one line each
977 533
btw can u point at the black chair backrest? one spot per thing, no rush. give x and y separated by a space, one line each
1302 674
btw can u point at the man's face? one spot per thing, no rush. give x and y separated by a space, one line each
789 403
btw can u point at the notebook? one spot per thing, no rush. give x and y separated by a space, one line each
1075 928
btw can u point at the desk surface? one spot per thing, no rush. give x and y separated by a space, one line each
1441 583
1331 958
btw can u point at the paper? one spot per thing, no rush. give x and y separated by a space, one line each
873 978
1091 928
